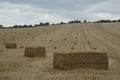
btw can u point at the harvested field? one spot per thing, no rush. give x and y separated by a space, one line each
103 37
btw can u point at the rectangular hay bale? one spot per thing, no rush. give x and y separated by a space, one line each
11 45
70 61
35 51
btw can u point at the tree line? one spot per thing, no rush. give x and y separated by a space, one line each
70 22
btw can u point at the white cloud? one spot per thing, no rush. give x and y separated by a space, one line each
11 14
36 11
104 15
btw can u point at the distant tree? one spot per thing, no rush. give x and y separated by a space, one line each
19 26
47 23
44 24
53 24
30 26
41 24
85 21
118 20
62 23
36 25
15 26
104 21
74 21
1 26
25 26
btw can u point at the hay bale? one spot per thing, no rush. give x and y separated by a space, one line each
44 37
55 47
89 42
50 40
94 48
21 47
4 43
87 60
75 43
65 39
72 48
33 38
35 52
11 45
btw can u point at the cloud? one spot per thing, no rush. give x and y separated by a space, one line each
104 15
21 14
58 4
35 11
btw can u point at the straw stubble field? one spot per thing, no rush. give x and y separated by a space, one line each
88 37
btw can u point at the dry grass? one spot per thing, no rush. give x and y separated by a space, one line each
15 66
1 51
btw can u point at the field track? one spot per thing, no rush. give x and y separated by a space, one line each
84 37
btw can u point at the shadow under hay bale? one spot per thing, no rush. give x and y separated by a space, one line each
11 45
35 52
87 60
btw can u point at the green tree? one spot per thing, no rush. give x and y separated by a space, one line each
1 26
85 21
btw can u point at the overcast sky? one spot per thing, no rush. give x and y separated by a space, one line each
35 11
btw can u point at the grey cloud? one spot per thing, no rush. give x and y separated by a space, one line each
58 4
33 11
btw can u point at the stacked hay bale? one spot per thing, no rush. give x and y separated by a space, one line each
69 61
11 45
35 52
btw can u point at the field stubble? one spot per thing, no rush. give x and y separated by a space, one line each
81 37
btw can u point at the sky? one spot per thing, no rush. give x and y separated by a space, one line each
29 12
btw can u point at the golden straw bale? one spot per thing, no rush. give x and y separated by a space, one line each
11 45
35 51
87 60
